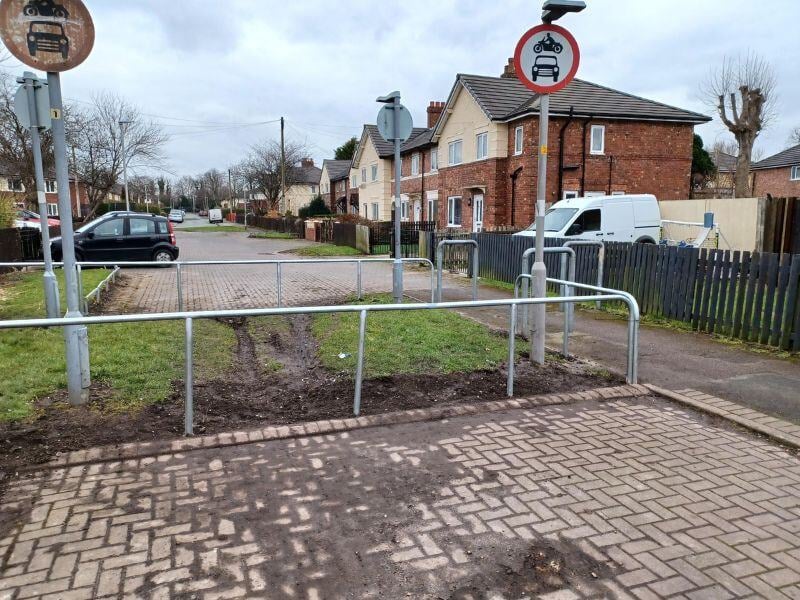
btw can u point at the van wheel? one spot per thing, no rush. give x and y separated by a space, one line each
163 256
645 240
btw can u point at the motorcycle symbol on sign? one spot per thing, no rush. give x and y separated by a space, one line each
45 8
548 44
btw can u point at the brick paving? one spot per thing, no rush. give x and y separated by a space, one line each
629 498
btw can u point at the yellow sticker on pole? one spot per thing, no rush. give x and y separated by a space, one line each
543 150
55 113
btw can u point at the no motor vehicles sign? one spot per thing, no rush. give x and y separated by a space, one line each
546 58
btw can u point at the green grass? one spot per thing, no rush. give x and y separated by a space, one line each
272 235
137 360
214 228
327 250
430 341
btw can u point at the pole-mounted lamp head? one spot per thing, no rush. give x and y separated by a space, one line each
552 10
389 98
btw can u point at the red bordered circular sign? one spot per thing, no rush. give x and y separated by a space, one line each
546 58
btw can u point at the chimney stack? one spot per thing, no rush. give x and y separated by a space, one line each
509 71
307 162
434 111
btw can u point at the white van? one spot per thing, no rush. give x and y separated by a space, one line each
215 215
623 218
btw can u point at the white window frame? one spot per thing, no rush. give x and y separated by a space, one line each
375 211
434 159
451 152
404 204
518 140
374 172
354 181
12 188
567 194
52 210
415 164
363 174
451 202
50 186
431 208
617 193
602 130
794 173
482 146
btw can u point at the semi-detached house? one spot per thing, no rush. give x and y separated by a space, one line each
334 184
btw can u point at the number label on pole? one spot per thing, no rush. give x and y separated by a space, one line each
546 58
55 113
48 35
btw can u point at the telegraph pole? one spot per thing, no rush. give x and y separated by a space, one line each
122 124
283 171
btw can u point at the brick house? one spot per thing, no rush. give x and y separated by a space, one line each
305 186
11 183
778 175
602 141
334 184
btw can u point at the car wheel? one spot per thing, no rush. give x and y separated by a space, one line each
162 255
31 11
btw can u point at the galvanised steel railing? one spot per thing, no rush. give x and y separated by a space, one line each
363 310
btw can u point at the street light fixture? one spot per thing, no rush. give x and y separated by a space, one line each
552 10
122 124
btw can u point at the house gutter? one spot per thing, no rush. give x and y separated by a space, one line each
514 176
610 170
561 135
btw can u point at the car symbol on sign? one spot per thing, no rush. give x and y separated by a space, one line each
545 66
45 36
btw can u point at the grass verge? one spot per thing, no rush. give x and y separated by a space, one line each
137 361
212 228
327 250
430 341
272 235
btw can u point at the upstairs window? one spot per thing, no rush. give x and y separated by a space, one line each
598 141
795 174
50 186
518 140
454 153
374 173
415 163
14 185
363 174
353 183
482 146
434 159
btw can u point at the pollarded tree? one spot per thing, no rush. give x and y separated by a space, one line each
262 169
742 90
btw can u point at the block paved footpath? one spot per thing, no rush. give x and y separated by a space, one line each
628 497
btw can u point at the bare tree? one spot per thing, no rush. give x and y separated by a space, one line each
98 143
742 90
215 183
262 170
794 137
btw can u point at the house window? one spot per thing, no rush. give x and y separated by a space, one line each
375 211
14 185
353 183
454 211
374 172
569 194
363 174
432 209
454 153
313 189
795 175
518 141
50 186
404 210
434 160
482 145
415 163
598 141
52 210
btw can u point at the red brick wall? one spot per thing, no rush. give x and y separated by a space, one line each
775 182
418 186
490 174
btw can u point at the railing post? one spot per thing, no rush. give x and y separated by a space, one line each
563 275
179 281
439 265
83 304
512 355
358 281
571 291
188 419
476 254
601 258
362 334
433 284
280 284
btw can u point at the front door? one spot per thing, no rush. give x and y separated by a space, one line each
417 211
477 213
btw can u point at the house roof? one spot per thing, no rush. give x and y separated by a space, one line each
422 139
310 174
788 158
505 98
386 149
337 169
725 163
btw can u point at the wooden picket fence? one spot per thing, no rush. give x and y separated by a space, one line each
749 296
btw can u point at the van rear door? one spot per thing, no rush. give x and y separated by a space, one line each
618 224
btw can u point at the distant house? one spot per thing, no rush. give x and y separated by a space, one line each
778 175
11 183
334 184
305 186
724 181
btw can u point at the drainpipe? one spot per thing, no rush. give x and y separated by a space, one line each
583 155
422 202
514 176
610 170
561 135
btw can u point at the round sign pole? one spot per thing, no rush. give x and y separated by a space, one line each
55 37
545 60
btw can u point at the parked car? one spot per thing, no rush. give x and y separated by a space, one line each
123 236
624 218
202 213
215 215
28 218
176 216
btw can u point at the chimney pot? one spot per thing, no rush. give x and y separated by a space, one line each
434 111
509 71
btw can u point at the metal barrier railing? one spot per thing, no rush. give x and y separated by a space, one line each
95 293
363 310
180 267
440 264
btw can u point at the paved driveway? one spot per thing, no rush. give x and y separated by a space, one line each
630 498
222 287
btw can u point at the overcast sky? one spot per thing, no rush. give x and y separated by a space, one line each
212 70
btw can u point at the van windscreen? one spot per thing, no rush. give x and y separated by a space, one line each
556 219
